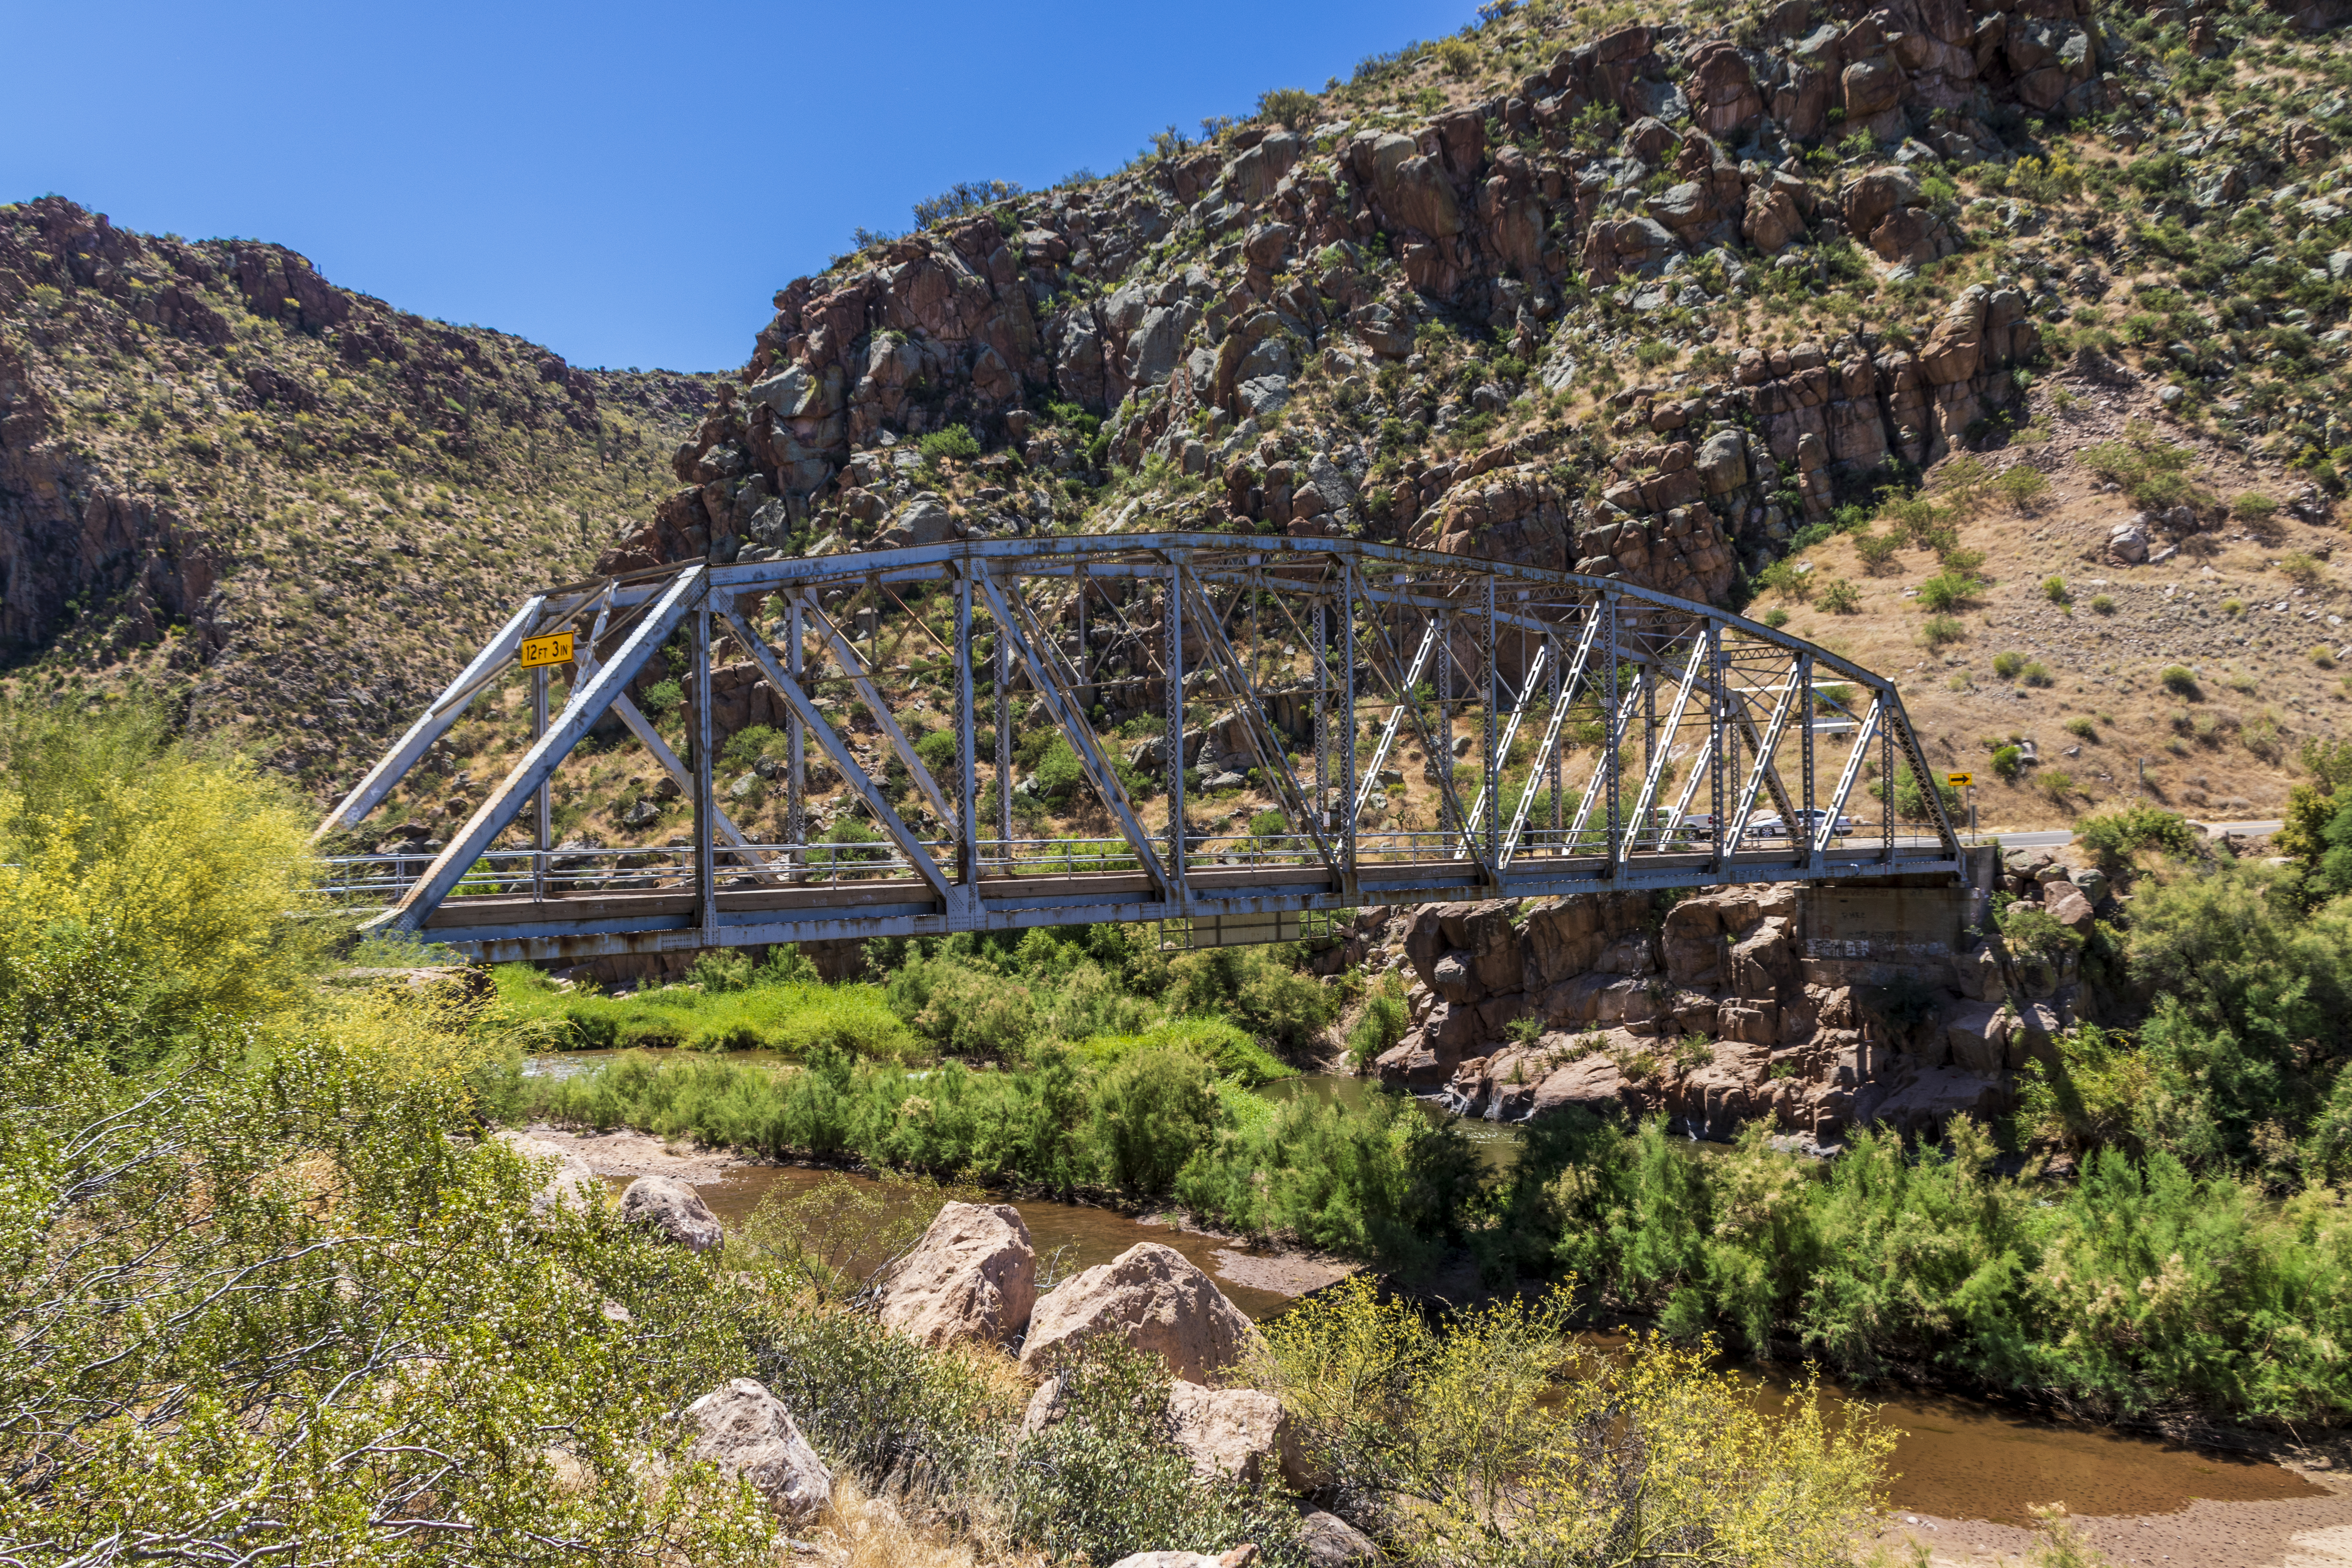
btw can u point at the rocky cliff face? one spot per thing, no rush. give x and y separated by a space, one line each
1256 315
1812 1009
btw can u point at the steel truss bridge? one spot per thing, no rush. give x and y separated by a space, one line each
1573 734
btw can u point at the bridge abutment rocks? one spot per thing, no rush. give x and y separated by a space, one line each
1815 1009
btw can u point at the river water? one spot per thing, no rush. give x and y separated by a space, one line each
1956 1458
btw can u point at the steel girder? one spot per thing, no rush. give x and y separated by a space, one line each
1196 647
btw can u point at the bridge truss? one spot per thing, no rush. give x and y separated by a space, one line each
1241 717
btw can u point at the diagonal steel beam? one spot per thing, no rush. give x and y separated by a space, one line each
815 723
1509 736
1272 760
433 723
1054 683
1699 765
1372 776
1488 872
1550 746
1908 740
629 713
1849 774
1765 745
587 704
1612 741
1656 774
861 680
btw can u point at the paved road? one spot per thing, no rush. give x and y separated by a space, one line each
2051 838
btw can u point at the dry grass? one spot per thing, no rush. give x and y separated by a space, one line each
868 1530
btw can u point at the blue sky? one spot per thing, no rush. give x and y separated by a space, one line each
627 184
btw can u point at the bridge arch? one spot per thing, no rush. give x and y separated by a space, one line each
1573 734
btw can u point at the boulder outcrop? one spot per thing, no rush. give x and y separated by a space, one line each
673 1211
1243 1433
562 1177
747 1432
1154 1297
973 1276
1798 1006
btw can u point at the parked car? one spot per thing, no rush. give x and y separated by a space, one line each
1777 827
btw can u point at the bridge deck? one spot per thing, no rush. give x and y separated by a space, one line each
589 924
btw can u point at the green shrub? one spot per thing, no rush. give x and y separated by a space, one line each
2022 485
747 746
1948 590
1151 1111
2008 762
2304 567
2102 604
2082 729
1383 1024
2007 665
1293 107
2181 680
2053 589
2037 673
955 441
1938 630
1875 550
2113 837
660 698
1839 597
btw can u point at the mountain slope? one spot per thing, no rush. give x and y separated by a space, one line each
294 506
1686 303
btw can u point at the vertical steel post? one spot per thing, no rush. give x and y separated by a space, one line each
1322 716
1444 758
1494 699
1004 748
1173 670
1804 676
543 827
1612 739
1648 677
1719 733
1557 782
1886 783
797 756
967 823
706 807
1347 720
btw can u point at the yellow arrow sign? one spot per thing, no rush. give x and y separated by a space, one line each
555 650
1959 781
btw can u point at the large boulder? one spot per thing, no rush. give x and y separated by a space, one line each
1239 1432
972 1276
1331 1542
2067 906
1154 1297
673 1211
1978 1035
747 1432
563 1177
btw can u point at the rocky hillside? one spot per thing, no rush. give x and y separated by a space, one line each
292 505
1702 304
1998 345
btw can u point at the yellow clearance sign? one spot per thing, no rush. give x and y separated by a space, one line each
1959 781
555 650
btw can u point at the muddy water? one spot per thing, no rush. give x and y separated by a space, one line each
1957 1458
